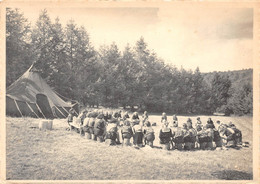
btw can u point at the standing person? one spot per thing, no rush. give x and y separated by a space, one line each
177 136
198 123
193 133
144 117
165 136
99 127
82 116
148 134
86 125
164 117
127 133
70 118
138 134
91 125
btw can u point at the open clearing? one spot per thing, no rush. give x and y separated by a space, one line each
61 155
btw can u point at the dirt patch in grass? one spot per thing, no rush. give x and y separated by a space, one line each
62 155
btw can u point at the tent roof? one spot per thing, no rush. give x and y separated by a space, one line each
29 85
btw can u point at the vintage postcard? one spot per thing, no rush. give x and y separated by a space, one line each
129 91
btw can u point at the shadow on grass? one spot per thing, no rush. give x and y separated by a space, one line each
232 175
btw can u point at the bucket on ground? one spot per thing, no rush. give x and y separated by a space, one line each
43 125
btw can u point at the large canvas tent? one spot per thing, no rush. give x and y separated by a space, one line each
31 96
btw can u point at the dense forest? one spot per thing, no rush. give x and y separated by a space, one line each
108 76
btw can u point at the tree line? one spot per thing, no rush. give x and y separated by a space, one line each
108 76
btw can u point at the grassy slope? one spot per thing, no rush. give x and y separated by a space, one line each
59 154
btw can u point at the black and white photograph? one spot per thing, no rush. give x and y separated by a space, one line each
129 92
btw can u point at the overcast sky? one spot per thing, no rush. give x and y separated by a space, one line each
214 39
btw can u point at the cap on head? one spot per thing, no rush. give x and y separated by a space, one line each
198 118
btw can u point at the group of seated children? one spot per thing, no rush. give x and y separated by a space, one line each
201 137
112 127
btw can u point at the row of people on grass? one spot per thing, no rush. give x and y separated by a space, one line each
106 127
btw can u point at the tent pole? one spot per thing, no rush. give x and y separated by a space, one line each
65 109
59 111
32 110
40 110
18 107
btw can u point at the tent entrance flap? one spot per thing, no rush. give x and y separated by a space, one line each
43 103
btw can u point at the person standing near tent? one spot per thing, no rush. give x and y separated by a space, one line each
82 116
70 118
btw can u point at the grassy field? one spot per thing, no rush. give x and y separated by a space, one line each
61 155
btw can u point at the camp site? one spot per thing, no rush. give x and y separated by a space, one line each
77 109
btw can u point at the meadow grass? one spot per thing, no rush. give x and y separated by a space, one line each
59 154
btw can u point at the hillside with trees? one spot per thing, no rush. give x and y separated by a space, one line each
108 76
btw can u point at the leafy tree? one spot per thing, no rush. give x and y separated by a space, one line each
220 92
80 60
18 48
241 101
42 38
